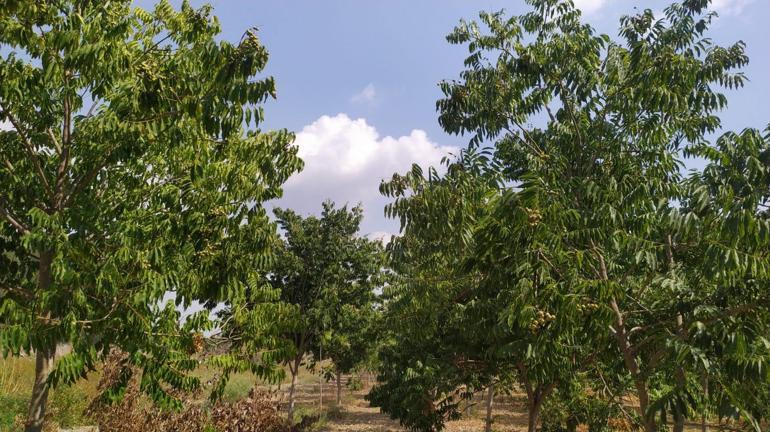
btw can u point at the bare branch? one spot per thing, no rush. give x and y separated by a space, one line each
12 219
54 141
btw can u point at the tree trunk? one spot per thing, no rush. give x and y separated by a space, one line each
629 359
44 356
678 422
535 396
533 411
627 351
44 360
339 388
621 336
490 400
704 426
681 378
294 372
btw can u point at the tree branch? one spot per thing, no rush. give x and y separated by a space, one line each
64 159
12 219
30 149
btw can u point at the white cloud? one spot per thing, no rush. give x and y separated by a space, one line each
383 236
345 160
367 95
5 125
589 7
730 7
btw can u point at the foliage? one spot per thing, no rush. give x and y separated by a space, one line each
254 332
319 290
590 251
129 172
354 383
325 270
572 406
352 337
440 335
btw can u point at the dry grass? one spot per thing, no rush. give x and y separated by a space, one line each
66 404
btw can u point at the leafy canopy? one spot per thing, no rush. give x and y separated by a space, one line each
592 237
133 168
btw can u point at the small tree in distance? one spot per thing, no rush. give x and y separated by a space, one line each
352 338
324 270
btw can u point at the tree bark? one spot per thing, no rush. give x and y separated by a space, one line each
490 401
44 357
533 411
294 372
704 426
629 358
44 360
621 336
339 388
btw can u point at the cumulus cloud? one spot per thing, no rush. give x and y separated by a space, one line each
345 160
730 7
367 95
589 7
383 236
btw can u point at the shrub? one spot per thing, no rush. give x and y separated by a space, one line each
576 410
238 387
134 413
355 383
253 414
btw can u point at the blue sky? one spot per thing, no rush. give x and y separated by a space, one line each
357 79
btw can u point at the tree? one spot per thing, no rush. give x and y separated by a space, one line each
600 172
723 235
321 268
442 342
351 338
128 173
590 237
469 269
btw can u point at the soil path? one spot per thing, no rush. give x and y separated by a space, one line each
356 415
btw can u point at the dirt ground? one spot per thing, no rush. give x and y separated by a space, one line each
355 414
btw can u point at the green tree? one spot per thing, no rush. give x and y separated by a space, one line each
442 340
469 278
352 336
592 133
322 267
721 244
592 250
129 172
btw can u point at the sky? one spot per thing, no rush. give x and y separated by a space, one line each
358 80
